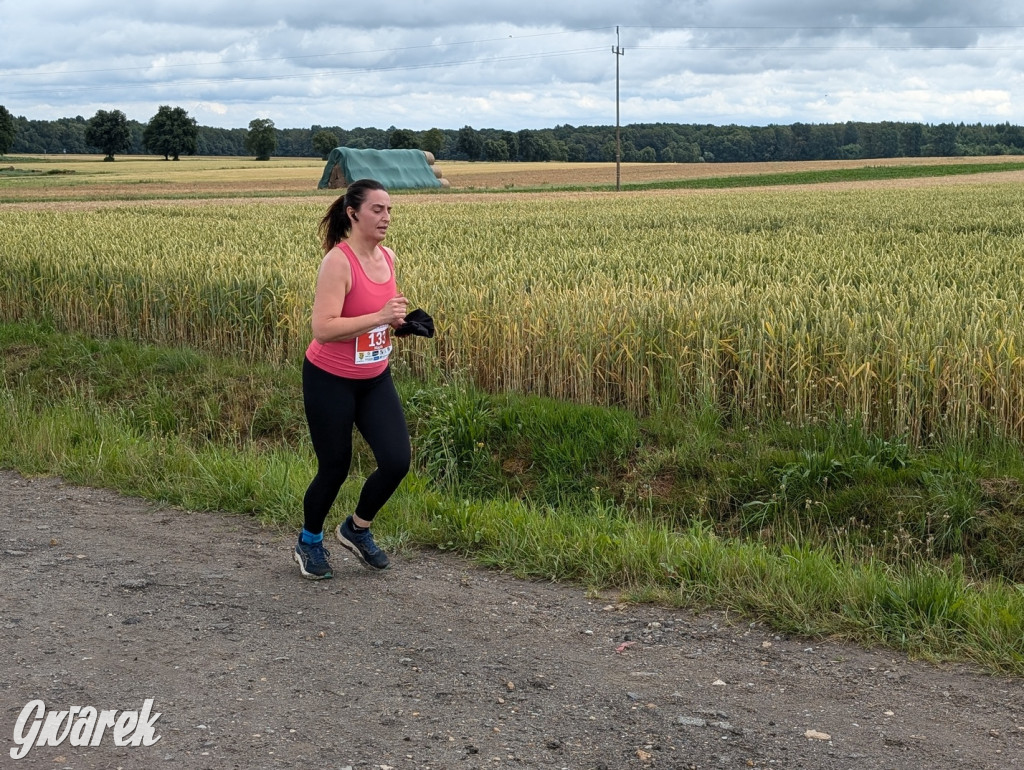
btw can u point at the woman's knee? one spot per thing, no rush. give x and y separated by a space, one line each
397 462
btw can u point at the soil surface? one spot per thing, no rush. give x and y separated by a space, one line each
108 601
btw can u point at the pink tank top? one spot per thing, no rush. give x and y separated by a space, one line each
367 355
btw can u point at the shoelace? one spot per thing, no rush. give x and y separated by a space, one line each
365 539
318 553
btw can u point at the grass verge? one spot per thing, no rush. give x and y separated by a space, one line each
821 531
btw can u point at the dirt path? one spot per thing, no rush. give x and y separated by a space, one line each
108 601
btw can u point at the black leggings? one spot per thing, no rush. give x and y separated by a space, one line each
333 405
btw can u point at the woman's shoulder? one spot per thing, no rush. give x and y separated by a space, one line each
340 253
335 262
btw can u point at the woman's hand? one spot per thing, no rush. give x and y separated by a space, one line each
394 310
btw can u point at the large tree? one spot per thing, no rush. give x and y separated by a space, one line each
495 150
323 142
532 147
469 143
512 142
944 140
433 141
171 132
7 130
262 138
403 139
109 132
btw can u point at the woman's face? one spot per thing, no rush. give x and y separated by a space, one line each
373 217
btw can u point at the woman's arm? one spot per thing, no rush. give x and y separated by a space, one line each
332 286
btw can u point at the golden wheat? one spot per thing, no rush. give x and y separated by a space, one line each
903 307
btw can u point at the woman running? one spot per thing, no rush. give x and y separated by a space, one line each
346 381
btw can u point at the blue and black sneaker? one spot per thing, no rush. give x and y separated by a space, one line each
312 560
360 542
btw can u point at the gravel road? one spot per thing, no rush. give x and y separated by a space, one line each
109 601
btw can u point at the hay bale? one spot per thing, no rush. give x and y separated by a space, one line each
337 178
395 169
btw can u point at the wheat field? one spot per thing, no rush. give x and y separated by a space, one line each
900 307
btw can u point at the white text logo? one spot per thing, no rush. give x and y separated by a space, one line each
82 726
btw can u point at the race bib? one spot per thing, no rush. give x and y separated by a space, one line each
374 346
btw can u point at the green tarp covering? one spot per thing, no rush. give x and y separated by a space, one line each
392 168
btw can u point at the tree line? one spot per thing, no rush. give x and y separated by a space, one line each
171 132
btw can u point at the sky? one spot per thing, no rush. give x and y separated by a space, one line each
534 64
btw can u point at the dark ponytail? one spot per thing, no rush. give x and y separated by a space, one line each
336 224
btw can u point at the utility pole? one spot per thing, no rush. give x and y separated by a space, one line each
617 50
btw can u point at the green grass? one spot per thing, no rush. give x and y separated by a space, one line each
17 172
865 174
819 531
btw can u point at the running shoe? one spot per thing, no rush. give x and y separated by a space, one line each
312 560
360 543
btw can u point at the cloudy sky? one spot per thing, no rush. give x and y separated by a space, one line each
512 65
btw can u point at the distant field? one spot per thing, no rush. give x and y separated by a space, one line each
506 175
88 178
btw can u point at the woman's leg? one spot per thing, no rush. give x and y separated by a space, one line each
381 420
330 411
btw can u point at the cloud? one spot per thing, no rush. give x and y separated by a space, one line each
513 65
